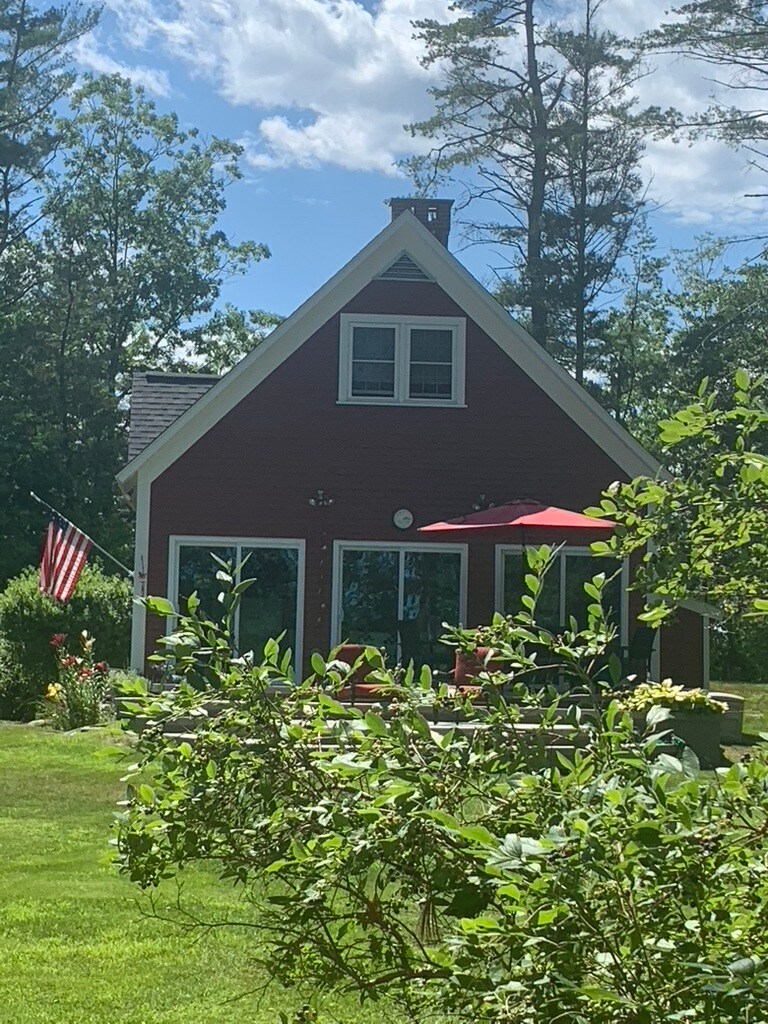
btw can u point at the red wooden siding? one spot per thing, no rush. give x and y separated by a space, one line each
254 472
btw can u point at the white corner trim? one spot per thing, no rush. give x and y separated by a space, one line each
706 671
404 233
140 569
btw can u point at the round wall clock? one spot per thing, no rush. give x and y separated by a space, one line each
403 518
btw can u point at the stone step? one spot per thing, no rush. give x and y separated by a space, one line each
565 712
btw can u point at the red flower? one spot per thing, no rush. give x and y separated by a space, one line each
58 639
68 662
101 668
84 673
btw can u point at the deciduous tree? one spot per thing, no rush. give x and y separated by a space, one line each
35 74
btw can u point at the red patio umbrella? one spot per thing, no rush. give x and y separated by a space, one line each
520 515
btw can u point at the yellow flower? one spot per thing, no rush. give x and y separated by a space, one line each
53 691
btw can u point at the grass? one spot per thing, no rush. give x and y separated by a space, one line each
75 946
756 707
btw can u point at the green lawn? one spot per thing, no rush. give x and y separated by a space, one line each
75 947
756 707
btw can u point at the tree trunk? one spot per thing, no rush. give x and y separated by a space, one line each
535 212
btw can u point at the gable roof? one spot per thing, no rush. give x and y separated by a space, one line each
407 235
157 401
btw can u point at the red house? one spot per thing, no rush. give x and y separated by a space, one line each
399 394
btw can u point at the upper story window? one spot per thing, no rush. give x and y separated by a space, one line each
387 360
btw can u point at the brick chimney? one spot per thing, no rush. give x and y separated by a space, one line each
434 214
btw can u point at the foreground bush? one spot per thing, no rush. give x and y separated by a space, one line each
456 872
100 605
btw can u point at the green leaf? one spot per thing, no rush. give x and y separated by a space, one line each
478 924
318 664
276 865
478 834
546 916
741 380
598 994
333 707
375 724
690 763
160 606
656 715
443 818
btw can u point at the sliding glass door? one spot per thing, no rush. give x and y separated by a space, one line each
396 597
269 607
563 593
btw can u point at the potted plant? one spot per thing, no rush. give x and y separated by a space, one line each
693 716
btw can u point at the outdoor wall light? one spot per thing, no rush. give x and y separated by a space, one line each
320 500
481 503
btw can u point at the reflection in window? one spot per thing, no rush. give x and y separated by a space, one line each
267 608
197 573
563 593
431 369
397 599
373 362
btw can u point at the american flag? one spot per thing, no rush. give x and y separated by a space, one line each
65 550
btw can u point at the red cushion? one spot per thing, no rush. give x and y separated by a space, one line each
362 691
467 667
349 654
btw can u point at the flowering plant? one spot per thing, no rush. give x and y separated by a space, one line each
80 695
667 695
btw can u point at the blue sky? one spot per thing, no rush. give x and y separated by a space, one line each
318 91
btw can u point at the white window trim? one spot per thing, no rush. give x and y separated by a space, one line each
402 326
503 549
177 541
340 546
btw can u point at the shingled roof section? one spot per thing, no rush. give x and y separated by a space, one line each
158 400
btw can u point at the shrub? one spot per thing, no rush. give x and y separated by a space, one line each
677 698
447 869
80 695
100 605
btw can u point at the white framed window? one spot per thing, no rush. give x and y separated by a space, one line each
563 592
272 605
397 596
391 360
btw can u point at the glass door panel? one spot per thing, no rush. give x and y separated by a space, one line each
579 569
197 572
431 596
369 598
547 613
268 606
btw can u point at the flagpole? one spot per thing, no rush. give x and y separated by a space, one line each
98 547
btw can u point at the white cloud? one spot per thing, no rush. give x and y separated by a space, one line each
332 82
154 80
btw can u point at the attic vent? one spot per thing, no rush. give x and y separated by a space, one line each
404 269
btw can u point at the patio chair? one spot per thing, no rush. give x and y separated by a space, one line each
356 687
409 631
636 657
